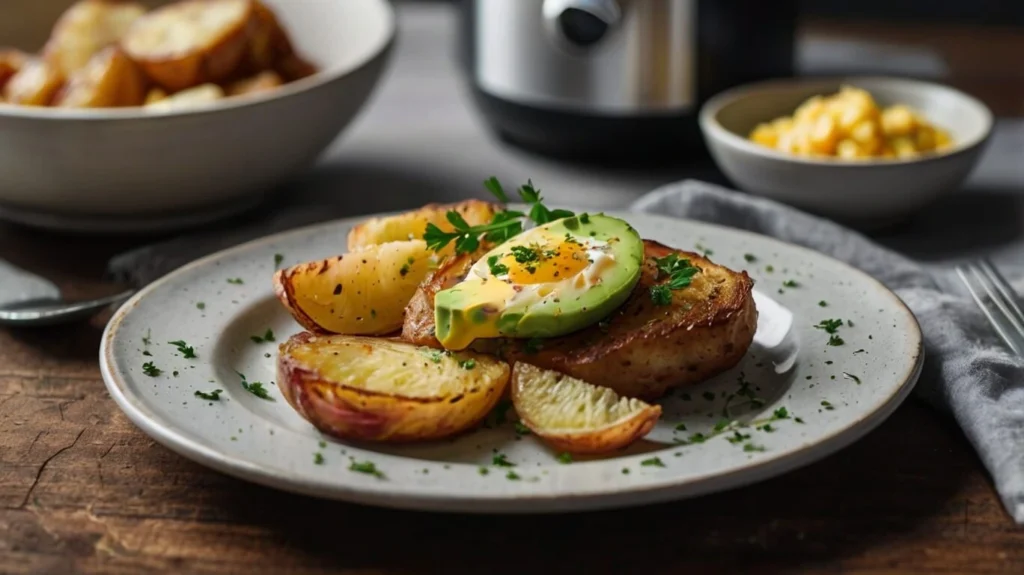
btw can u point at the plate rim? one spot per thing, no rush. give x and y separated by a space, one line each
669 489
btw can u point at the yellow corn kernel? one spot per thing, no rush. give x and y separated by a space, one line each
823 136
942 139
903 146
765 135
810 110
898 121
848 150
925 139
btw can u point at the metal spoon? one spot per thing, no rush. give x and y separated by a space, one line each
29 300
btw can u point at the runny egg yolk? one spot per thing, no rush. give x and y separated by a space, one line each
536 264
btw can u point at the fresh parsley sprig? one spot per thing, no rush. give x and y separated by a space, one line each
504 225
679 273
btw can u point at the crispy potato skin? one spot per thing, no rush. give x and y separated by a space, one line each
109 80
644 350
364 292
593 442
174 70
348 412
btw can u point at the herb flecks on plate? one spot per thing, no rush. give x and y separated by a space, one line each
367 467
186 351
256 388
209 396
267 337
150 369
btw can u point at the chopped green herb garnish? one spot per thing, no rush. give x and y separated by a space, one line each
768 427
750 447
702 248
681 427
769 268
653 462
859 351
496 268
266 337
494 186
146 340
679 273
822 303
827 405
851 376
512 476
722 424
318 458
698 438
798 420
625 471
500 460
738 437
200 306
367 467
584 218
151 370
521 429
540 213
830 325
751 258
256 388
790 284
186 351
209 396
780 413
147 354
467 364
483 471
278 258
835 340
404 271
525 254
565 457
235 281
849 323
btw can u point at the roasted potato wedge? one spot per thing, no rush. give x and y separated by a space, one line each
188 43
262 82
642 350
185 99
375 389
412 225
35 84
571 415
86 28
109 80
363 292
294 67
155 95
10 62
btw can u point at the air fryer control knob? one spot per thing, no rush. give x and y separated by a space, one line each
581 24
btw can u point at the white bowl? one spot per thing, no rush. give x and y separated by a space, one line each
65 165
870 191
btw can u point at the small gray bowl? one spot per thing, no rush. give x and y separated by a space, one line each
868 191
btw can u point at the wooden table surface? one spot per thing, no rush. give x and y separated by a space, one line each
83 490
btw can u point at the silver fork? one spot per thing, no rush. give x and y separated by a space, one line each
995 297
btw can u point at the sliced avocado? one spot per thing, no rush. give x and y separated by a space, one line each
548 281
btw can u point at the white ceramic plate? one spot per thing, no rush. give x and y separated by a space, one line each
832 395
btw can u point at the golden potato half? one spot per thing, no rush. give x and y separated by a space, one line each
86 28
412 225
262 82
158 100
109 80
36 83
571 415
375 389
192 42
363 292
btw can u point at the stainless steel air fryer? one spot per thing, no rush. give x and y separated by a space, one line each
614 78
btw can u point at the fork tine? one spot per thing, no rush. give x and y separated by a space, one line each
999 298
965 272
1006 290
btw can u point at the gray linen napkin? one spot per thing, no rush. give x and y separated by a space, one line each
968 370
